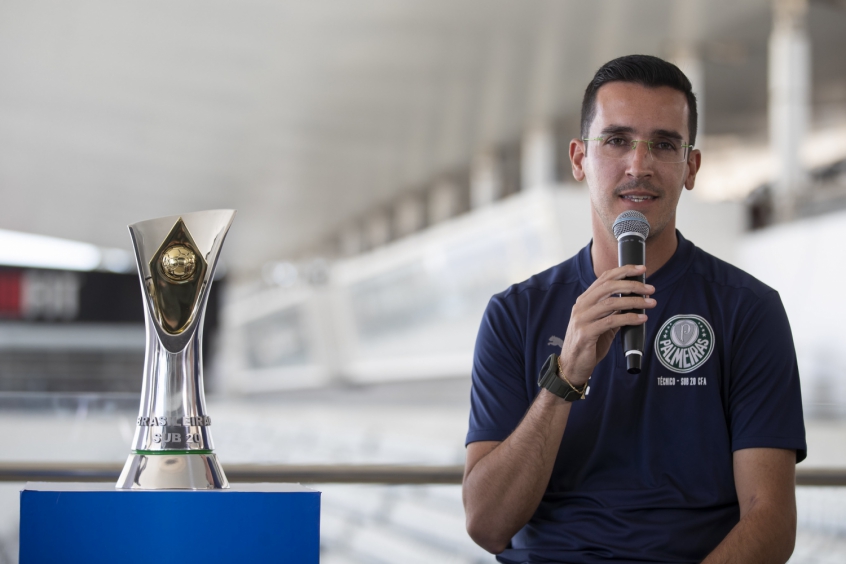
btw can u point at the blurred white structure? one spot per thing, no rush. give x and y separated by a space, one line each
789 101
803 261
39 251
538 163
443 201
307 116
485 180
410 310
409 216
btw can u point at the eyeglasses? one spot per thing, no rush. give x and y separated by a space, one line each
621 147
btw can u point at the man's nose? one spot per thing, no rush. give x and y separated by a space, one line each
640 160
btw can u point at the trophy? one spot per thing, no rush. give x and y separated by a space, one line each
172 448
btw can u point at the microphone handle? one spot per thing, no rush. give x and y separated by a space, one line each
631 249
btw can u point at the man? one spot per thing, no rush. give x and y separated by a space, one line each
694 458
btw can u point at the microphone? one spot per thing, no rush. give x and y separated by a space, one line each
631 230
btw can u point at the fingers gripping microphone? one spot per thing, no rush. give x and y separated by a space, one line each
631 230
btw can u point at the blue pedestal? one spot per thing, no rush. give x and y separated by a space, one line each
93 523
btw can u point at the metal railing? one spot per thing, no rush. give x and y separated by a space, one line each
313 473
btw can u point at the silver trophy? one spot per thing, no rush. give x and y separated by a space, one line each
176 258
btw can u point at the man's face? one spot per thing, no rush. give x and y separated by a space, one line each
637 181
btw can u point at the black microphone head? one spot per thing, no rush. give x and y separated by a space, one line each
631 222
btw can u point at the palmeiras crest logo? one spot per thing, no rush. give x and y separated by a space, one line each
684 343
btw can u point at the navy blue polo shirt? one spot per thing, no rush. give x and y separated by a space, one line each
644 471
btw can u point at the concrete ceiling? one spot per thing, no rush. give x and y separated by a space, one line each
303 114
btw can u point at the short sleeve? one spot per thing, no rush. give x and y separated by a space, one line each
765 403
498 397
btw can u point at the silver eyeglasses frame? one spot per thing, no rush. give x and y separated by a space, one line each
649 149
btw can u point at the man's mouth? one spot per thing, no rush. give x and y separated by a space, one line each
637 198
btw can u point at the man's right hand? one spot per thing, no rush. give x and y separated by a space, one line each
594 320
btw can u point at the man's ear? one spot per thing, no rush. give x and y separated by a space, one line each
694 161
577 157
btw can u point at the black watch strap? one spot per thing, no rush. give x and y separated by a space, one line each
549 379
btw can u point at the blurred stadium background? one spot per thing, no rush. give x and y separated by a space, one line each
393 164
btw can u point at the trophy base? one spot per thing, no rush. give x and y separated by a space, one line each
172 472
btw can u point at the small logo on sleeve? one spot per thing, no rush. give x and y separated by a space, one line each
684 343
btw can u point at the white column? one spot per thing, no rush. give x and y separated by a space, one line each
377 230
686 31
485 180
351 241
690 63
538 162
443 201
409 216
789 104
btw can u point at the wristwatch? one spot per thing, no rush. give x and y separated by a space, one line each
549 379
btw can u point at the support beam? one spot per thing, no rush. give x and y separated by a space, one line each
443 201
685 35
690 63
351 240
313 473
377 229
485 180
538 162
409 216
789 104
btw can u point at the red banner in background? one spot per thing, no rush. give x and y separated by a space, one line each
10 294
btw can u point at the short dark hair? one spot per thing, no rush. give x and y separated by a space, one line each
645 70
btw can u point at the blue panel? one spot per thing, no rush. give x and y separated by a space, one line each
158 527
